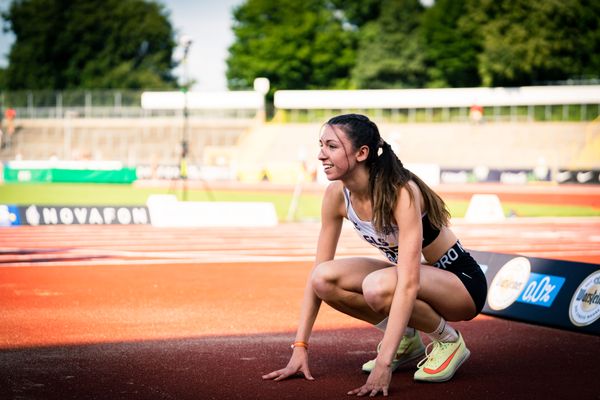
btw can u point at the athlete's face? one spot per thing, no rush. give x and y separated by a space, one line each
335 148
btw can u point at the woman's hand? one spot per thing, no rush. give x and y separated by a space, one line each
298 363
378 381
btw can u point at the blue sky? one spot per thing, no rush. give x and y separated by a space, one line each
207 22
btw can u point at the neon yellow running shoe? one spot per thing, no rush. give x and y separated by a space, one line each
440 364
410 349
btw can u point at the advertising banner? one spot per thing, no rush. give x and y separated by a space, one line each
9 215
82 215
554 293
580 176
14 174
494 175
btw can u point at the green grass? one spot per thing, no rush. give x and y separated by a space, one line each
309 205
459 209
546 210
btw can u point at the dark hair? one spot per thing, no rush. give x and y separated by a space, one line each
387 174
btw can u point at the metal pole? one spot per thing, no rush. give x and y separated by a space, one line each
186 41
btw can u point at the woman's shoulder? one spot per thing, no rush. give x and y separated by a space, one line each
335 188
414 186
412 189
334 198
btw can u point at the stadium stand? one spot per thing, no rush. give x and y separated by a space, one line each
281 148
131 141
242 143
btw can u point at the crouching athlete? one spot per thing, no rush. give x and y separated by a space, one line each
394 210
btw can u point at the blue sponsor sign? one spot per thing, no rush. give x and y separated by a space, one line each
541 290
9 215
556 293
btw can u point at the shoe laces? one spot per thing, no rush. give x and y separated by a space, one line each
430 352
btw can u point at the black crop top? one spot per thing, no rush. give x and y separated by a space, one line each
430 232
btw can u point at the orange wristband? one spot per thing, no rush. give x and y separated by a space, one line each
300 344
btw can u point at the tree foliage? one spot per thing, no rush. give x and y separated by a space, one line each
311 44
525 42
398 43
450 46
390 48
296 44
358 12
63 44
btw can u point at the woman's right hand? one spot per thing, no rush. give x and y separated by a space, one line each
298 364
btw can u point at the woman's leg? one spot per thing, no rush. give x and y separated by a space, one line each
363 288
441 294
339 283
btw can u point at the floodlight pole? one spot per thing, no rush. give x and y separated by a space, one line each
186 48
186 41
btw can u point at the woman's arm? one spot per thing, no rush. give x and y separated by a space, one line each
331 225
408 218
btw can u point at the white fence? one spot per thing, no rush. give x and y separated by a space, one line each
541 103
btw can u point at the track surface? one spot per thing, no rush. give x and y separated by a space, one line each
144 313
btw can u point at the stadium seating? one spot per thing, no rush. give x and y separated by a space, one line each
280 151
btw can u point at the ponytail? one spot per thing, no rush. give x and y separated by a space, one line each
437 212
387 175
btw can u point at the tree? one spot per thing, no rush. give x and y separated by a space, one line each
529 41
450 46
296 44
358 12
390 51
62 44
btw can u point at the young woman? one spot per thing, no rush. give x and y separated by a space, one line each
395 211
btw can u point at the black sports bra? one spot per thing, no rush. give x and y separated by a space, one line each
430 232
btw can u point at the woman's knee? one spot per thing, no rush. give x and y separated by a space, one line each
324 278
378 292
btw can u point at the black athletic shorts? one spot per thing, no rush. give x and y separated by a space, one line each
458 261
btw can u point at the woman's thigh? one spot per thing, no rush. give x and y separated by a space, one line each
440 289
349 273
446 294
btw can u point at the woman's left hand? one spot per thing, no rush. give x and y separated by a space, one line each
378 381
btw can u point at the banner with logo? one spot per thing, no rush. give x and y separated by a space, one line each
81 215
581 176
18 175
512 176
555 293
9 215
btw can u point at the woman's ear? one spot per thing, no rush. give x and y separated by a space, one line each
362 154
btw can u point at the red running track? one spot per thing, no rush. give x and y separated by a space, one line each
145 313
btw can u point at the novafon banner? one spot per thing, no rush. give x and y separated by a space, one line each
555 293
80 215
